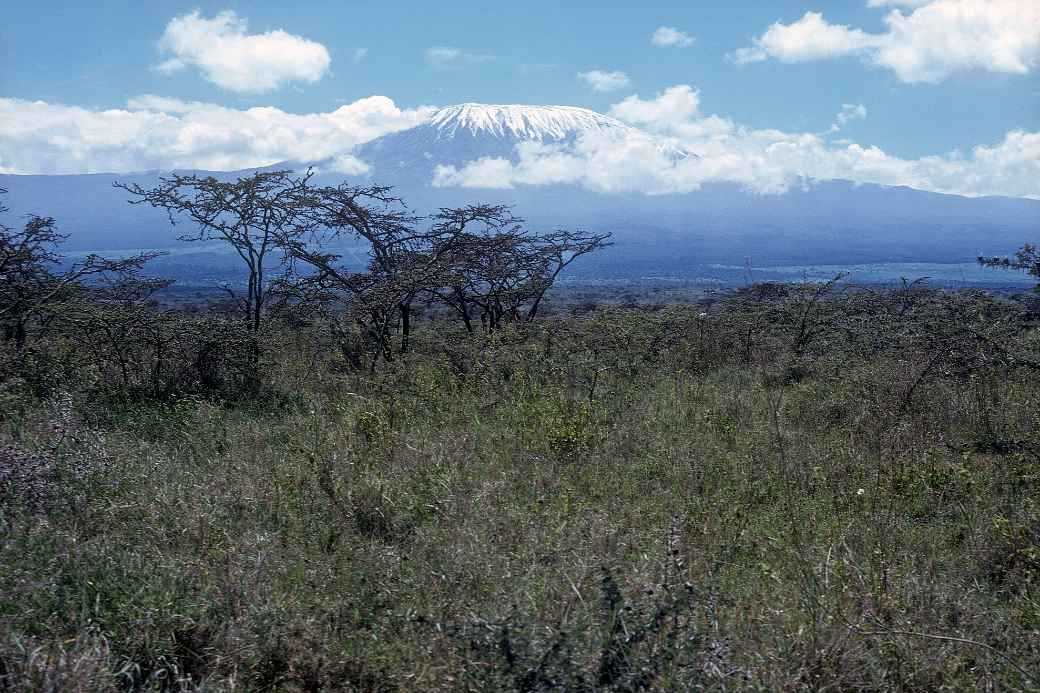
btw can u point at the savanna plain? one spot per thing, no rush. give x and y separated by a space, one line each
808 486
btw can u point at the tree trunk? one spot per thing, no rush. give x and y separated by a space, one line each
464 310
406 322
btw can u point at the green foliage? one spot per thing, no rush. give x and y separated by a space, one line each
559 428
798 488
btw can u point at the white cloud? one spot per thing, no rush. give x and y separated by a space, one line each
810 38
764 161
948 36
486 172
449 57
359 55
601 80
233 59
848 113
936 39
674 105
670 36
156 132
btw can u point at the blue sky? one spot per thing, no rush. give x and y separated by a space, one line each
101 55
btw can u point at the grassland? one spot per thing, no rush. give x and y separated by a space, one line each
785 491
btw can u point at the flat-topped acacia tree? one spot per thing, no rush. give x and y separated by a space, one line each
405 260
478 260
500 272
252 214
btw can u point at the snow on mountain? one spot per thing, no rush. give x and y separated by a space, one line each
522 122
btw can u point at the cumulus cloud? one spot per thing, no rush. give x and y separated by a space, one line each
810 38
674 105
155 132
936 39
449 57
670 36
601 80
762 160
233 59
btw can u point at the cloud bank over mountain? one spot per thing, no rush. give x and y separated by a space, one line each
159 133
153 132
762 160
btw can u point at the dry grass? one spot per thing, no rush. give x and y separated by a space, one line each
639 510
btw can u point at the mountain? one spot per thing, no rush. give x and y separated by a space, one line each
457 135
829 222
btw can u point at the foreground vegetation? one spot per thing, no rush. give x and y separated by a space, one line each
793 488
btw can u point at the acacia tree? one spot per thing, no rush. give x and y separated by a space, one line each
470 255
502 272
34 285
255 215
476 259
404 261
362 308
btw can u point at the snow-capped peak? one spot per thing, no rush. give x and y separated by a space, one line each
523 122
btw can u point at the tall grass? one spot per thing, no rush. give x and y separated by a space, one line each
640 501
